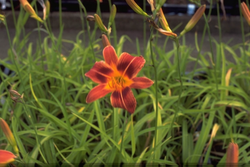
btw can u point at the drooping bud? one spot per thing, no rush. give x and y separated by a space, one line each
7 132
196 17
6 157
28 8
90 18
136 8
100 24
163 21
167 33
245 12
105 40
232 155
112 14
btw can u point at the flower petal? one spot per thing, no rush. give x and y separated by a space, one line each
100 72
97 93
130 65
124 99
110 56
141 83
6 157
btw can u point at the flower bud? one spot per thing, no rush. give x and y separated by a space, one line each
105 40
196 17
6 157
100 23
47 10
28 8
7 132
245 12
112 14
232 154
136 8
163 21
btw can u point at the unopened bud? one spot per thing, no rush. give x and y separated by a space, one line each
196 17
6 157
232 155
28 8
7 132
163 21
245 12
105 40
47 11
100 23
136 8
112 14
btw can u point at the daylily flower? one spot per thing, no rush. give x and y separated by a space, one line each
6 157
117 75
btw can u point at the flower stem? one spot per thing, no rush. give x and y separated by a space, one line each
244 45
123 132
156 90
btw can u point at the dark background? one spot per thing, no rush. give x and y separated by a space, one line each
172 6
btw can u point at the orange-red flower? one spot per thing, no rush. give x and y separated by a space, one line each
6 157
117 75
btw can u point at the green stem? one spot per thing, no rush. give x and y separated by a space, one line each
13 13
90 39
12 54
40 42
212 52
156 87
202 40
144 29
244 46
123 132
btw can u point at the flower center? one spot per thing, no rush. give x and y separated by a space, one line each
117 82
